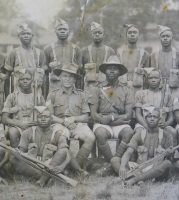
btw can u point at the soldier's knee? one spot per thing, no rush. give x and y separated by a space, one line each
166 164
14 136
100 134
90 138
127 134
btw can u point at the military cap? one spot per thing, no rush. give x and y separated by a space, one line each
162 29
24 27
149 109
128 26
20 71
60 22
41 109
113 60
95 26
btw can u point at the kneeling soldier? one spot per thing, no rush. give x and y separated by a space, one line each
111 109
147 144
70 108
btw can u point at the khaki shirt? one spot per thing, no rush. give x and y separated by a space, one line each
148 97
63 104
24 103
164 61
63 53
98 55
151 141
39 138
132 59
27 58
118 95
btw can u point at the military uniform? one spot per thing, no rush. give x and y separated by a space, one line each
147 146
111 109
21 106
65 105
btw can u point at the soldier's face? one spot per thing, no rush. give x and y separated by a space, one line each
25 81
166 38
154 79
98 35
62 32
67 79
44 119
25 37
152 119
112 72
132 35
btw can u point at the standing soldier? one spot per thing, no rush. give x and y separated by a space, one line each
111 109
70 108
166 57
134 58
18 111
96 53
26 55
61 52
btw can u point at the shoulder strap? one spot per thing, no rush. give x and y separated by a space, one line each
33 133
17 50
160 137
174 57
73 52
106 49
143 135
90 53
36 56
141 54
53 51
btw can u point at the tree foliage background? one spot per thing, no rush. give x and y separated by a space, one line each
112 14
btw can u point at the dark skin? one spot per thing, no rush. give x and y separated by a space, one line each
132 37
62 32
154 82
166 40
152 121
26 38
24 82
98 36
112 74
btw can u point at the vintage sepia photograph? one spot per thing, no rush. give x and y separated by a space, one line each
89 99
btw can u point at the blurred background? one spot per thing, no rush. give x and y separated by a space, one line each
112 14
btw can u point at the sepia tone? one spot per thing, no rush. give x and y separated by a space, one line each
89 99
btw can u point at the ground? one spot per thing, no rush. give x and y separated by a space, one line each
92 189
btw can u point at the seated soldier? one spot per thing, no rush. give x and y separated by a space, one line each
45 143
111 109
147 143
18 111
157 96
70 108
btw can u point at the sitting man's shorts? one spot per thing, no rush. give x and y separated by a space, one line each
113 130
82 131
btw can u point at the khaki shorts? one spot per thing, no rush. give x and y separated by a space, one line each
114 130
82 131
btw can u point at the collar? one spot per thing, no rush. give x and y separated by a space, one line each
62 90
106 84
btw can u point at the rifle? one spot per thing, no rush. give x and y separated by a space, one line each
44 168
149 164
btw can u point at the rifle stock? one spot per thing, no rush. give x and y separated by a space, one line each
149 164
33 162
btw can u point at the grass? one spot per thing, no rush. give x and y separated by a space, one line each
95 188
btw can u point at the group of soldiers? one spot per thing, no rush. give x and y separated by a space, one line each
91 95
